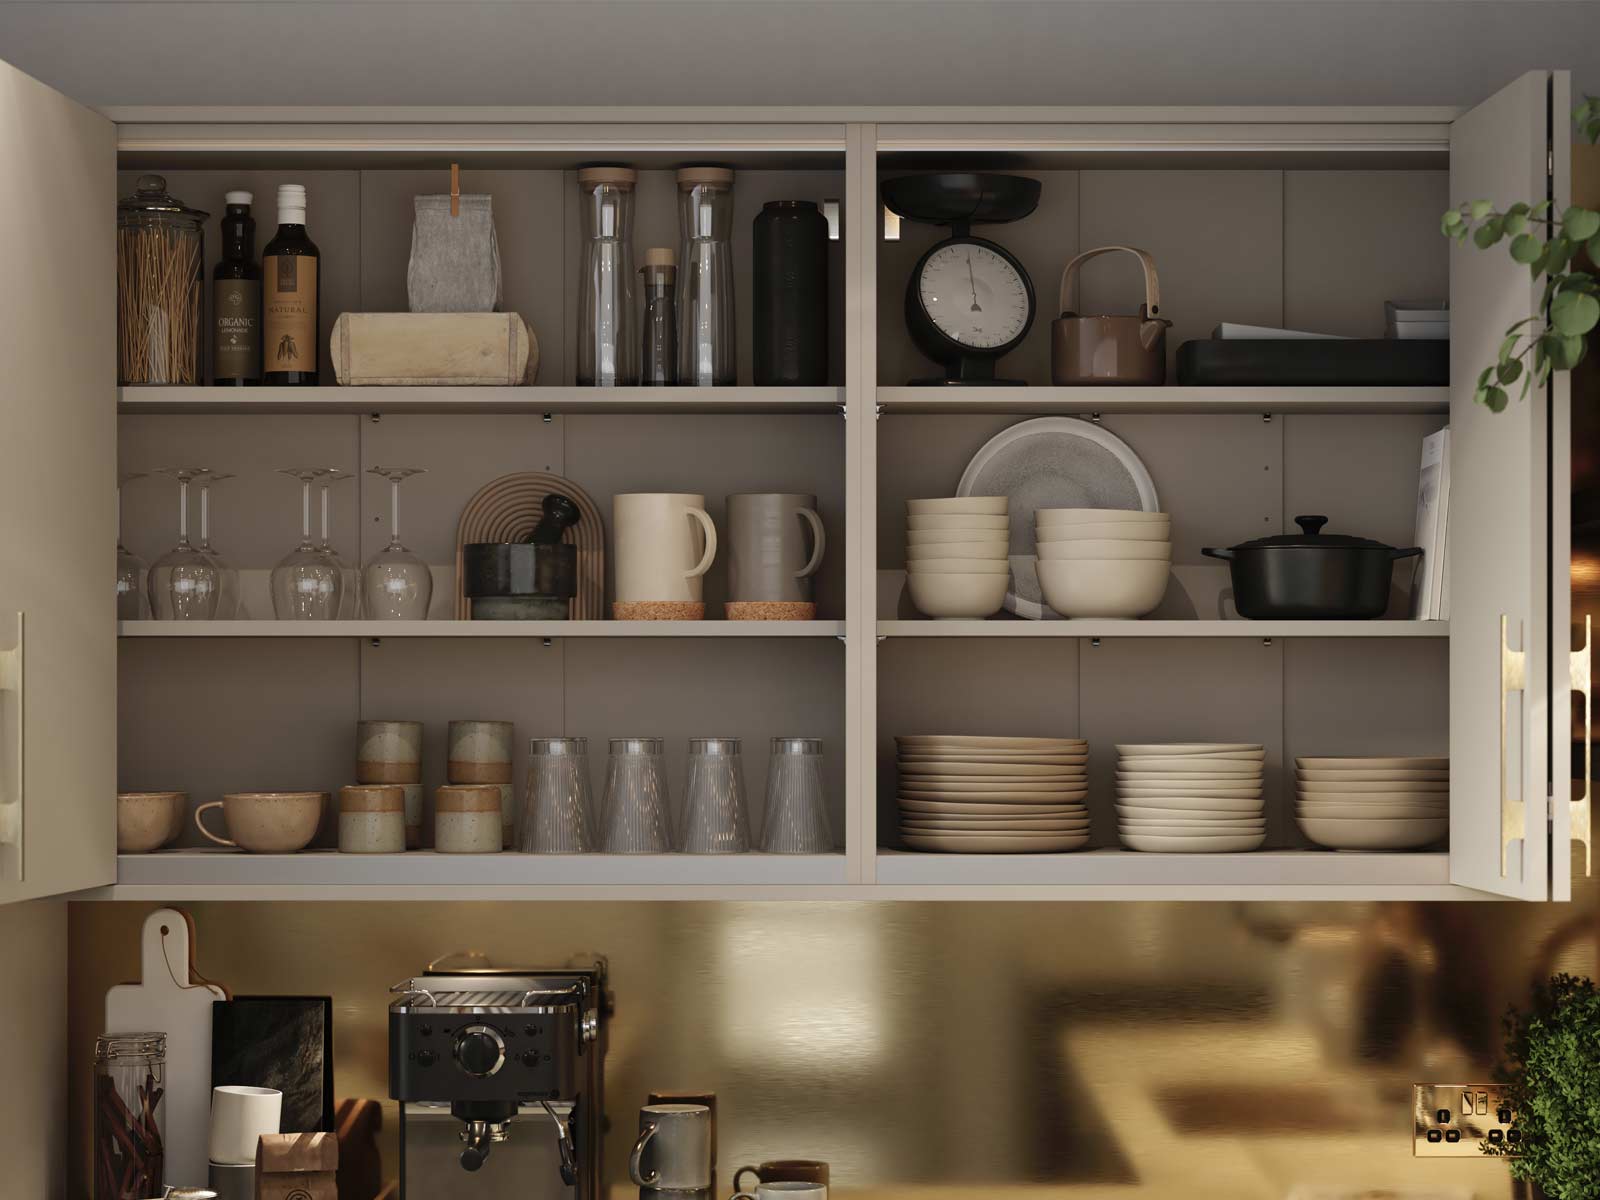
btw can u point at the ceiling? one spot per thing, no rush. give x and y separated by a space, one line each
775 52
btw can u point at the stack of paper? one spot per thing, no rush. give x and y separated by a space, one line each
1426 320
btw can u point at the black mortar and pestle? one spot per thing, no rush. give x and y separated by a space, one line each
533 580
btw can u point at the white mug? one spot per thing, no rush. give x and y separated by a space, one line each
239 1116
665 542
786 1189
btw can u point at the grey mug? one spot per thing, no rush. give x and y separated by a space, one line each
674 1151
776 546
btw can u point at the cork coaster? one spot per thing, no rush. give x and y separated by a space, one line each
769 610
657 610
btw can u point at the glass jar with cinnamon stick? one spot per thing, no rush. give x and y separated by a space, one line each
160 287
129 1084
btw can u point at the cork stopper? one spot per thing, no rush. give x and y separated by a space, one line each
623 177
661 256
693 177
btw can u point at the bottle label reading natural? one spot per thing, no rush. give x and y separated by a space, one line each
289 311
236 340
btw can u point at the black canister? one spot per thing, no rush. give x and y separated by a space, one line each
791 295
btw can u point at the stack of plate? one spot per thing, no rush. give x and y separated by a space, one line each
993 795
1191 797
1373 803
1103 562
956 563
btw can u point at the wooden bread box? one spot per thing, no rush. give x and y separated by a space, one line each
444 349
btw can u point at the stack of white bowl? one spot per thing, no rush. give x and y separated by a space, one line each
956 555
1103 562
1191 797
993 795
1373 803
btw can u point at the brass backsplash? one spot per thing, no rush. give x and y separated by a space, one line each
1120 1049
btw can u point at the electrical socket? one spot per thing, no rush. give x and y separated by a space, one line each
1454 1120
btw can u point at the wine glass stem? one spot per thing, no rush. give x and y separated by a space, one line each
205 515
183 512
394 512
305 510
324 514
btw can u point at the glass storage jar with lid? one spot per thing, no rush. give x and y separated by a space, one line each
129 1118
160 287
608 338
706 351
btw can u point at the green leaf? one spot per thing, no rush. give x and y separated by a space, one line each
1558 253
1580 224
1509 371
1452 218
1488 233
1593 249
1516 222
1565 350
1540 209
1494 399
1480 209
1525 248
1509 345
1574 313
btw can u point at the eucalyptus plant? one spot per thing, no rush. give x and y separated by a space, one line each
1552 1079
1553 339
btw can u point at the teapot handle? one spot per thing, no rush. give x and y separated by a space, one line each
1152 285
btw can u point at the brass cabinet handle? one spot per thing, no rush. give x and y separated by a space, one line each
11 792
1513 673
1582 815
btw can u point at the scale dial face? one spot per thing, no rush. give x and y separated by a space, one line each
975 296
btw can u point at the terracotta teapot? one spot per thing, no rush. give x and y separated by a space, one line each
1107 349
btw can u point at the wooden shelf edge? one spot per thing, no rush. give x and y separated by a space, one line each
400 400
1166 629
1068 401
480 629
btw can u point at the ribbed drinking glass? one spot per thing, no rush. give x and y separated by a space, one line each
635 819
555 805
796 821
715 819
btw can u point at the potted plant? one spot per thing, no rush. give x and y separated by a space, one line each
1552 1080
1553 339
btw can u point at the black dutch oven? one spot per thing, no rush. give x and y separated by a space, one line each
1311 575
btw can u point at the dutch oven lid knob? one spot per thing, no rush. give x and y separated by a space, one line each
1311 525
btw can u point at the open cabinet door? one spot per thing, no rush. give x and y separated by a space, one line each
58 666
1502 669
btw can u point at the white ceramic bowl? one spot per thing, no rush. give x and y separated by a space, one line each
957 537
1095 548
1095 516
1103 587
1340 834
1373 812
959 566
992 551
947 596
958 521
994 506
1154 531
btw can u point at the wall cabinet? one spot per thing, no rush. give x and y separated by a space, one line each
1285 217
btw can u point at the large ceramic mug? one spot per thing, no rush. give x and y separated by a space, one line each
665 542
266 822
673 1153
769 558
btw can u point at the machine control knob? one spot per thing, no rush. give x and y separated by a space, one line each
530 1058
426 1058
480 1050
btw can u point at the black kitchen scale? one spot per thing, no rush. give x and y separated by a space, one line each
969 300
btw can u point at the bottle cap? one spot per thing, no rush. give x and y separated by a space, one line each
291 204
244 198
661 256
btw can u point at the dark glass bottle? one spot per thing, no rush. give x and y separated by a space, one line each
790 270
236 299
290 283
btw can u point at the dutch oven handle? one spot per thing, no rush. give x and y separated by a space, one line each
1214 552
1409 552
1152 286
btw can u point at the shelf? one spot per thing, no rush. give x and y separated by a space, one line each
1088 627
1300 874
1082 400
318 874
479 629
308 400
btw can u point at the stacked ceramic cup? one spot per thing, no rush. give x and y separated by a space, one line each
1191 797
993 795
1373 803
480 753
390 752
1103 562
956 548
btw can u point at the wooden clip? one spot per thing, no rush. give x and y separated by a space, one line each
455 189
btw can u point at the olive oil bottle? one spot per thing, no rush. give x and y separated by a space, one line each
290 281
236 299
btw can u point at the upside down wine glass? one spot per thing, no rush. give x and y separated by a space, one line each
350 599
306 584
397 584
227 574
130 567
184 582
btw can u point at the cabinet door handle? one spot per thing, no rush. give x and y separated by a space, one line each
1513 673
11 788
1582 812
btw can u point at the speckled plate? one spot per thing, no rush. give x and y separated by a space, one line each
997 843
1053 462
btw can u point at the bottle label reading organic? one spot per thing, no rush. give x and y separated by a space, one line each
289 313
236 339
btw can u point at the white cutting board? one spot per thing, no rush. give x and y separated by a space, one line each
165 1001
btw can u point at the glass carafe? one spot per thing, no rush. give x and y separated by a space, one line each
706 315
608 332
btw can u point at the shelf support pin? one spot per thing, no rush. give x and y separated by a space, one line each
839 637
548 643
1266 418
877 412
375 418
1095 642
1266 641
1095 417
549 418
375 643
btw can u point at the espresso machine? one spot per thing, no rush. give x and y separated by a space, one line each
511 1061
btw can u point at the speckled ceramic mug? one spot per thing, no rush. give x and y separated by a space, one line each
372 819
466 819
389 752
480 752
266 822
148 820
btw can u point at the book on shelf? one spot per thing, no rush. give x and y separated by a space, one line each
1432 527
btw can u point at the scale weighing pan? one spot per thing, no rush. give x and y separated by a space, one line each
961 198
